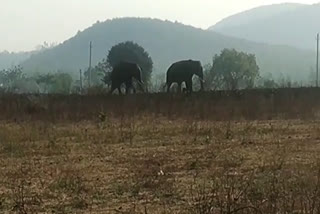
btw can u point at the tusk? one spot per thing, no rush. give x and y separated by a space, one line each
141 83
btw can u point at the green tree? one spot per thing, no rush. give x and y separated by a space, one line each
126 51
45 81
59 83
266 81
99 74
26 85
212 80
233 70
9 77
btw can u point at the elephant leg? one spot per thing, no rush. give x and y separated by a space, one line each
133 88
168 86
112 89
119 90
128 86
179 87
189 85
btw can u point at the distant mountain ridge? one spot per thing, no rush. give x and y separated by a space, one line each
166 43
295 25
255 14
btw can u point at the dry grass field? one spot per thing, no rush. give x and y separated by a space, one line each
245 152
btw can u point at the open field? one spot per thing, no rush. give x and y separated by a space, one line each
250 152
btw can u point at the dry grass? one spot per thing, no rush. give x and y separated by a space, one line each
159 165
221 105
141 162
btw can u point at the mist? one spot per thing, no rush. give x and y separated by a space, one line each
26 24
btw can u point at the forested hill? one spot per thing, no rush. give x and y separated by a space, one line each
166 42
286 24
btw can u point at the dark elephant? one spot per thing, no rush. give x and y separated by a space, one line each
183 71
124 72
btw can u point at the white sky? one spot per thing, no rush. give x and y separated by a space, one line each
27 23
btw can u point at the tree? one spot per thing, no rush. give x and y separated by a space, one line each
126 51
266 81
234 70
62 83
211 80
26 85
99 74
9 77
45 46
55 83
14 80
45 81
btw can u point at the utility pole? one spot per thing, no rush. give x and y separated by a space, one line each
80 81
90 58
317 84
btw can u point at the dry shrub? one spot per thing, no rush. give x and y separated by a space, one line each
70 190
25 200
10 144
152 179
94 90
247 104
259 192
23 197
272 188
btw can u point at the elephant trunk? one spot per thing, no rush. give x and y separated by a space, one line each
139 79
141 83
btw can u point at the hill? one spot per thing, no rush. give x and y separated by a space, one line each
9 59
259 13
287 24
166 42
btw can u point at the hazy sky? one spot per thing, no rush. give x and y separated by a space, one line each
27 23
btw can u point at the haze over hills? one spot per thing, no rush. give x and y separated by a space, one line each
9 59
287 24
255 14
166 43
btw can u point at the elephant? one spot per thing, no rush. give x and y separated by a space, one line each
124 72
183 71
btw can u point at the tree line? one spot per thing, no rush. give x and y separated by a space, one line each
230 70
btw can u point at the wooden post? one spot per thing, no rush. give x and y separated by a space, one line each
90 58
317 83
80 81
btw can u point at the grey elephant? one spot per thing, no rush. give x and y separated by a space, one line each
183 71
123 73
